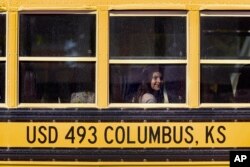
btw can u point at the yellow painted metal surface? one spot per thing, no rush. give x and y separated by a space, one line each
12 82
125 135
193 66
121 4
102 63
114 164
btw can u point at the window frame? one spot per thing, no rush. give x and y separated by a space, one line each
227 61
152 61
80 59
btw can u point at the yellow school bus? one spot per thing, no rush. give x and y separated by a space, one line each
124 83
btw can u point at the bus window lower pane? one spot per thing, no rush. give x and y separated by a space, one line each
2 83
57 82
225 83
128 84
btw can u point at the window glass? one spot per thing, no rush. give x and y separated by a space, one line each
57 82
148 37
147 83
2 83
225 37
225 83
2 54
2 34
57 35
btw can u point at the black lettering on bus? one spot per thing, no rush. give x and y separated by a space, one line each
43 137
129 141
220 131
209 134
120 139
187 130
106 135
142 133
93 134
53 130
28 135
166 134
154 135
176 134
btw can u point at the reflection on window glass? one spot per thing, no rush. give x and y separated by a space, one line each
225 37
2 83
148 37
147 84
57 82
57 35
225 84
2 34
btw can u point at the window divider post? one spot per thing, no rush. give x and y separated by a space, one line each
12 60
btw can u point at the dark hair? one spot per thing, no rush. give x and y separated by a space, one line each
145 86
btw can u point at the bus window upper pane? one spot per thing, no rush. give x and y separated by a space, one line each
225 37
69 35
2 34
57 82
148 37
147 83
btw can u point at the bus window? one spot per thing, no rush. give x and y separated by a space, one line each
130 82
2 35
2 54
2 83
50 82
216 84
64 79
139 41
148 37
57 35
225 35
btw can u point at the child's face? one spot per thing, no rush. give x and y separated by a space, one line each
156 81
